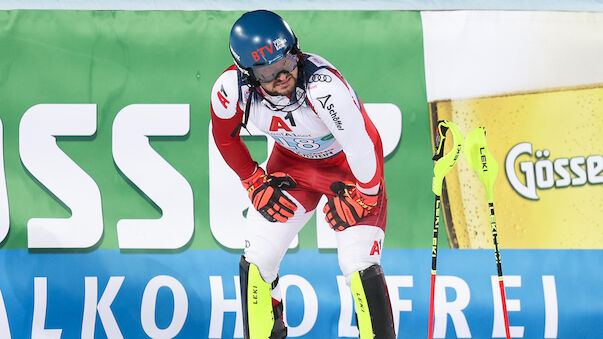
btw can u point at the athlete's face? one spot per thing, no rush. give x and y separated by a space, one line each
283 84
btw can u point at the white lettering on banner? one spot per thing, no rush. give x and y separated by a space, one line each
103 307
164 185
565 179
594 166
221 305
551 317
394 283
228 200
442 308
529 189
310 302
149 303
576 167
43 158
498 326
4 327
541 173
38 330
136 159
4 210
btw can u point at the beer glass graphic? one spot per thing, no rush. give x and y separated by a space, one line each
541 102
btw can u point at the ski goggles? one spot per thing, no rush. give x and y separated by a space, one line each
271 72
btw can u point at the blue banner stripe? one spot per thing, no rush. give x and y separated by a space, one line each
556 292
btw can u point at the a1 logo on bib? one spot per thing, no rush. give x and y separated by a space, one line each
278 123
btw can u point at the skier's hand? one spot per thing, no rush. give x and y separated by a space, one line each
266 194
348 206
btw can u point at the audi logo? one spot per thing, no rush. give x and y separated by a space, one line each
320 77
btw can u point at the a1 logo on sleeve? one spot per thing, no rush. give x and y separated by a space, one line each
222 97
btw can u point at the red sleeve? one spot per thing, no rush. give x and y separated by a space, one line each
226 116
233 149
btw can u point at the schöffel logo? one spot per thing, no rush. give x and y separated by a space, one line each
320 78
544 173
332 112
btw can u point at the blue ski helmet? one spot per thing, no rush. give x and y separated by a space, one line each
261 38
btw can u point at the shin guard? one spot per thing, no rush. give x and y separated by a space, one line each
262 318
373 308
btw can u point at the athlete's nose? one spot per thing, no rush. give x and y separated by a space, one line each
282 76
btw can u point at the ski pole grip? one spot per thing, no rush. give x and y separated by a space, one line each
440 139
445 162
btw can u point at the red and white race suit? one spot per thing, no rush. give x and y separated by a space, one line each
323 136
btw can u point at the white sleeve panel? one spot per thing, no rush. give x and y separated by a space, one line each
336 105
225 95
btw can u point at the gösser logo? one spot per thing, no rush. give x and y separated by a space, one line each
320 77
545 173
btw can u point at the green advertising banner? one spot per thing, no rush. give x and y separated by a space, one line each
114 191
112 59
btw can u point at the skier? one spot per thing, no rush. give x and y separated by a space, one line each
325 145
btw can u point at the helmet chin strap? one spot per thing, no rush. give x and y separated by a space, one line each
290 107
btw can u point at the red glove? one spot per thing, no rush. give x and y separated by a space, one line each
266 194
348 206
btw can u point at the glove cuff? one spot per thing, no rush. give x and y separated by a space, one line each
368 202
257 179
374 190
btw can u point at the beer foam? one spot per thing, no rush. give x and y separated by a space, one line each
471 54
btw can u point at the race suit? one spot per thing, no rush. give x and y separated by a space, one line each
323 135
